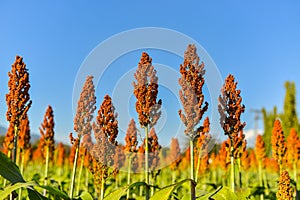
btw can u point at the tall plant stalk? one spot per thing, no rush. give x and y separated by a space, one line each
147 106
47 139
147 154
193 185
192 99
82 121
18 99
102 187
75 142
79 175
46 170
129 175
230 108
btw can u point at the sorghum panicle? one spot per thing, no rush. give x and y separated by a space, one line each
145 91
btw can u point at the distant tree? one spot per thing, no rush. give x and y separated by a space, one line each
289 116
268 119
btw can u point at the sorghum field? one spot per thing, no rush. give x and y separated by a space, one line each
94 165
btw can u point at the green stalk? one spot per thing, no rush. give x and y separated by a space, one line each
102 187
46 169
87 179
79 175
22 170
15 143
193 193
260 178
128 175
74 170
141 188
173 176
240 172
146 162
295 174
198 165
232 177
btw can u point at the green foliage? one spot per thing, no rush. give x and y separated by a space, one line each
10 170
9 189
268 118
289 116
222 193
166 192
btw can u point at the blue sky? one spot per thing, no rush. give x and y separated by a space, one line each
257 41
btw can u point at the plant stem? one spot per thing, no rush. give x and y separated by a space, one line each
260 178
295 174
198 165
15 143
79 175
240 172
74 170
128 175
193 195
87 179
22 170
232 177
146 162
102 187
46 169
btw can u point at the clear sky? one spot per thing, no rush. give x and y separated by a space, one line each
257 41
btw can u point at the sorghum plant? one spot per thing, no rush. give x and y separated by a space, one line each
260 152
278 145
82 121
47 132
106 132
147 106
18 98
192 99
230 108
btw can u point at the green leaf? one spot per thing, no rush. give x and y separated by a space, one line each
118 193
86 196
10 170
9 189
222 193
166 192
34 195
55 192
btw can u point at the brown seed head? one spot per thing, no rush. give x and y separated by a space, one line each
61 154
175 155
230 108
191 95
131 137
9 138
224 158
145 91
47 132
260 149
85 108
18 98
293 147
285 190
106 120
278 143
24 134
